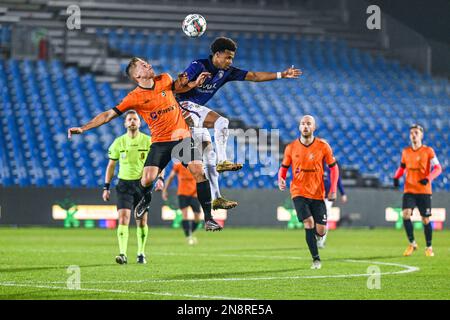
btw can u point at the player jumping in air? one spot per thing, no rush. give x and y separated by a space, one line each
187 197
219 65
155 102
307 155
130 150
422 167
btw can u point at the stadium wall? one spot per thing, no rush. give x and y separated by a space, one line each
257 207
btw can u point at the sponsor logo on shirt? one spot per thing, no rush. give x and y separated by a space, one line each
154 115
208 86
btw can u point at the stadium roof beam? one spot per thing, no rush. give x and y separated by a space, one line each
218 9
177 17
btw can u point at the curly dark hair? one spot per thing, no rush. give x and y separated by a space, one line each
221 44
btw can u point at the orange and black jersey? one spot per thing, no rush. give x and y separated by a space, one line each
418 165
159 109
307 167
187 186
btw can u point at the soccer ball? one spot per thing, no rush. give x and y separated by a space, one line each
194 25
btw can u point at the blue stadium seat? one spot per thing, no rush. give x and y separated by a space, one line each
364 105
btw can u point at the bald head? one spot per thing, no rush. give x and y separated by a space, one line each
307 126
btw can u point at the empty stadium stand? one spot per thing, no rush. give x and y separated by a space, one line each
364 100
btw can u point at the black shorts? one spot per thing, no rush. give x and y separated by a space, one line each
421 201
186 201
306 208
161 153
127 194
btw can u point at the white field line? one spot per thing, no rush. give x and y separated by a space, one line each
167 294
406 269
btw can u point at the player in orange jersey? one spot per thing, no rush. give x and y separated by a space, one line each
307 155
422 167
154 100
187 197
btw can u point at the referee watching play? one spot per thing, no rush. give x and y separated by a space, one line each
131 151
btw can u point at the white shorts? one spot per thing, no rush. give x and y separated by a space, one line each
200 135
196 111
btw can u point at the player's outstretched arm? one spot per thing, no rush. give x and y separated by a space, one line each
182 84
289 73
97 121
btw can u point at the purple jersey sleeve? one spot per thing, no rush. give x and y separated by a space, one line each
194 69
341 186
237 74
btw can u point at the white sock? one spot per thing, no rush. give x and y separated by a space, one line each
209 160
213 176
221 138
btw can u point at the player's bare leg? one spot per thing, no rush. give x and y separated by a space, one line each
221 133
310 233
409 232
209 161
322 236
428 230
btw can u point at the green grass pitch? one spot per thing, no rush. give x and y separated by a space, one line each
233 264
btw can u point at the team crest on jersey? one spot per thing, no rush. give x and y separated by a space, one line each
220 74
123 155
311 156
153 115
142 156
163 93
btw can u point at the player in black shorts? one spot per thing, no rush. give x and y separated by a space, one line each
187 197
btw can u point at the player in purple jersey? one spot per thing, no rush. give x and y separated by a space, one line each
219 64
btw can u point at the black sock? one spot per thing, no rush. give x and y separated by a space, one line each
194 226
186 227
312 243
144 191
428 233
409 229
204 197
